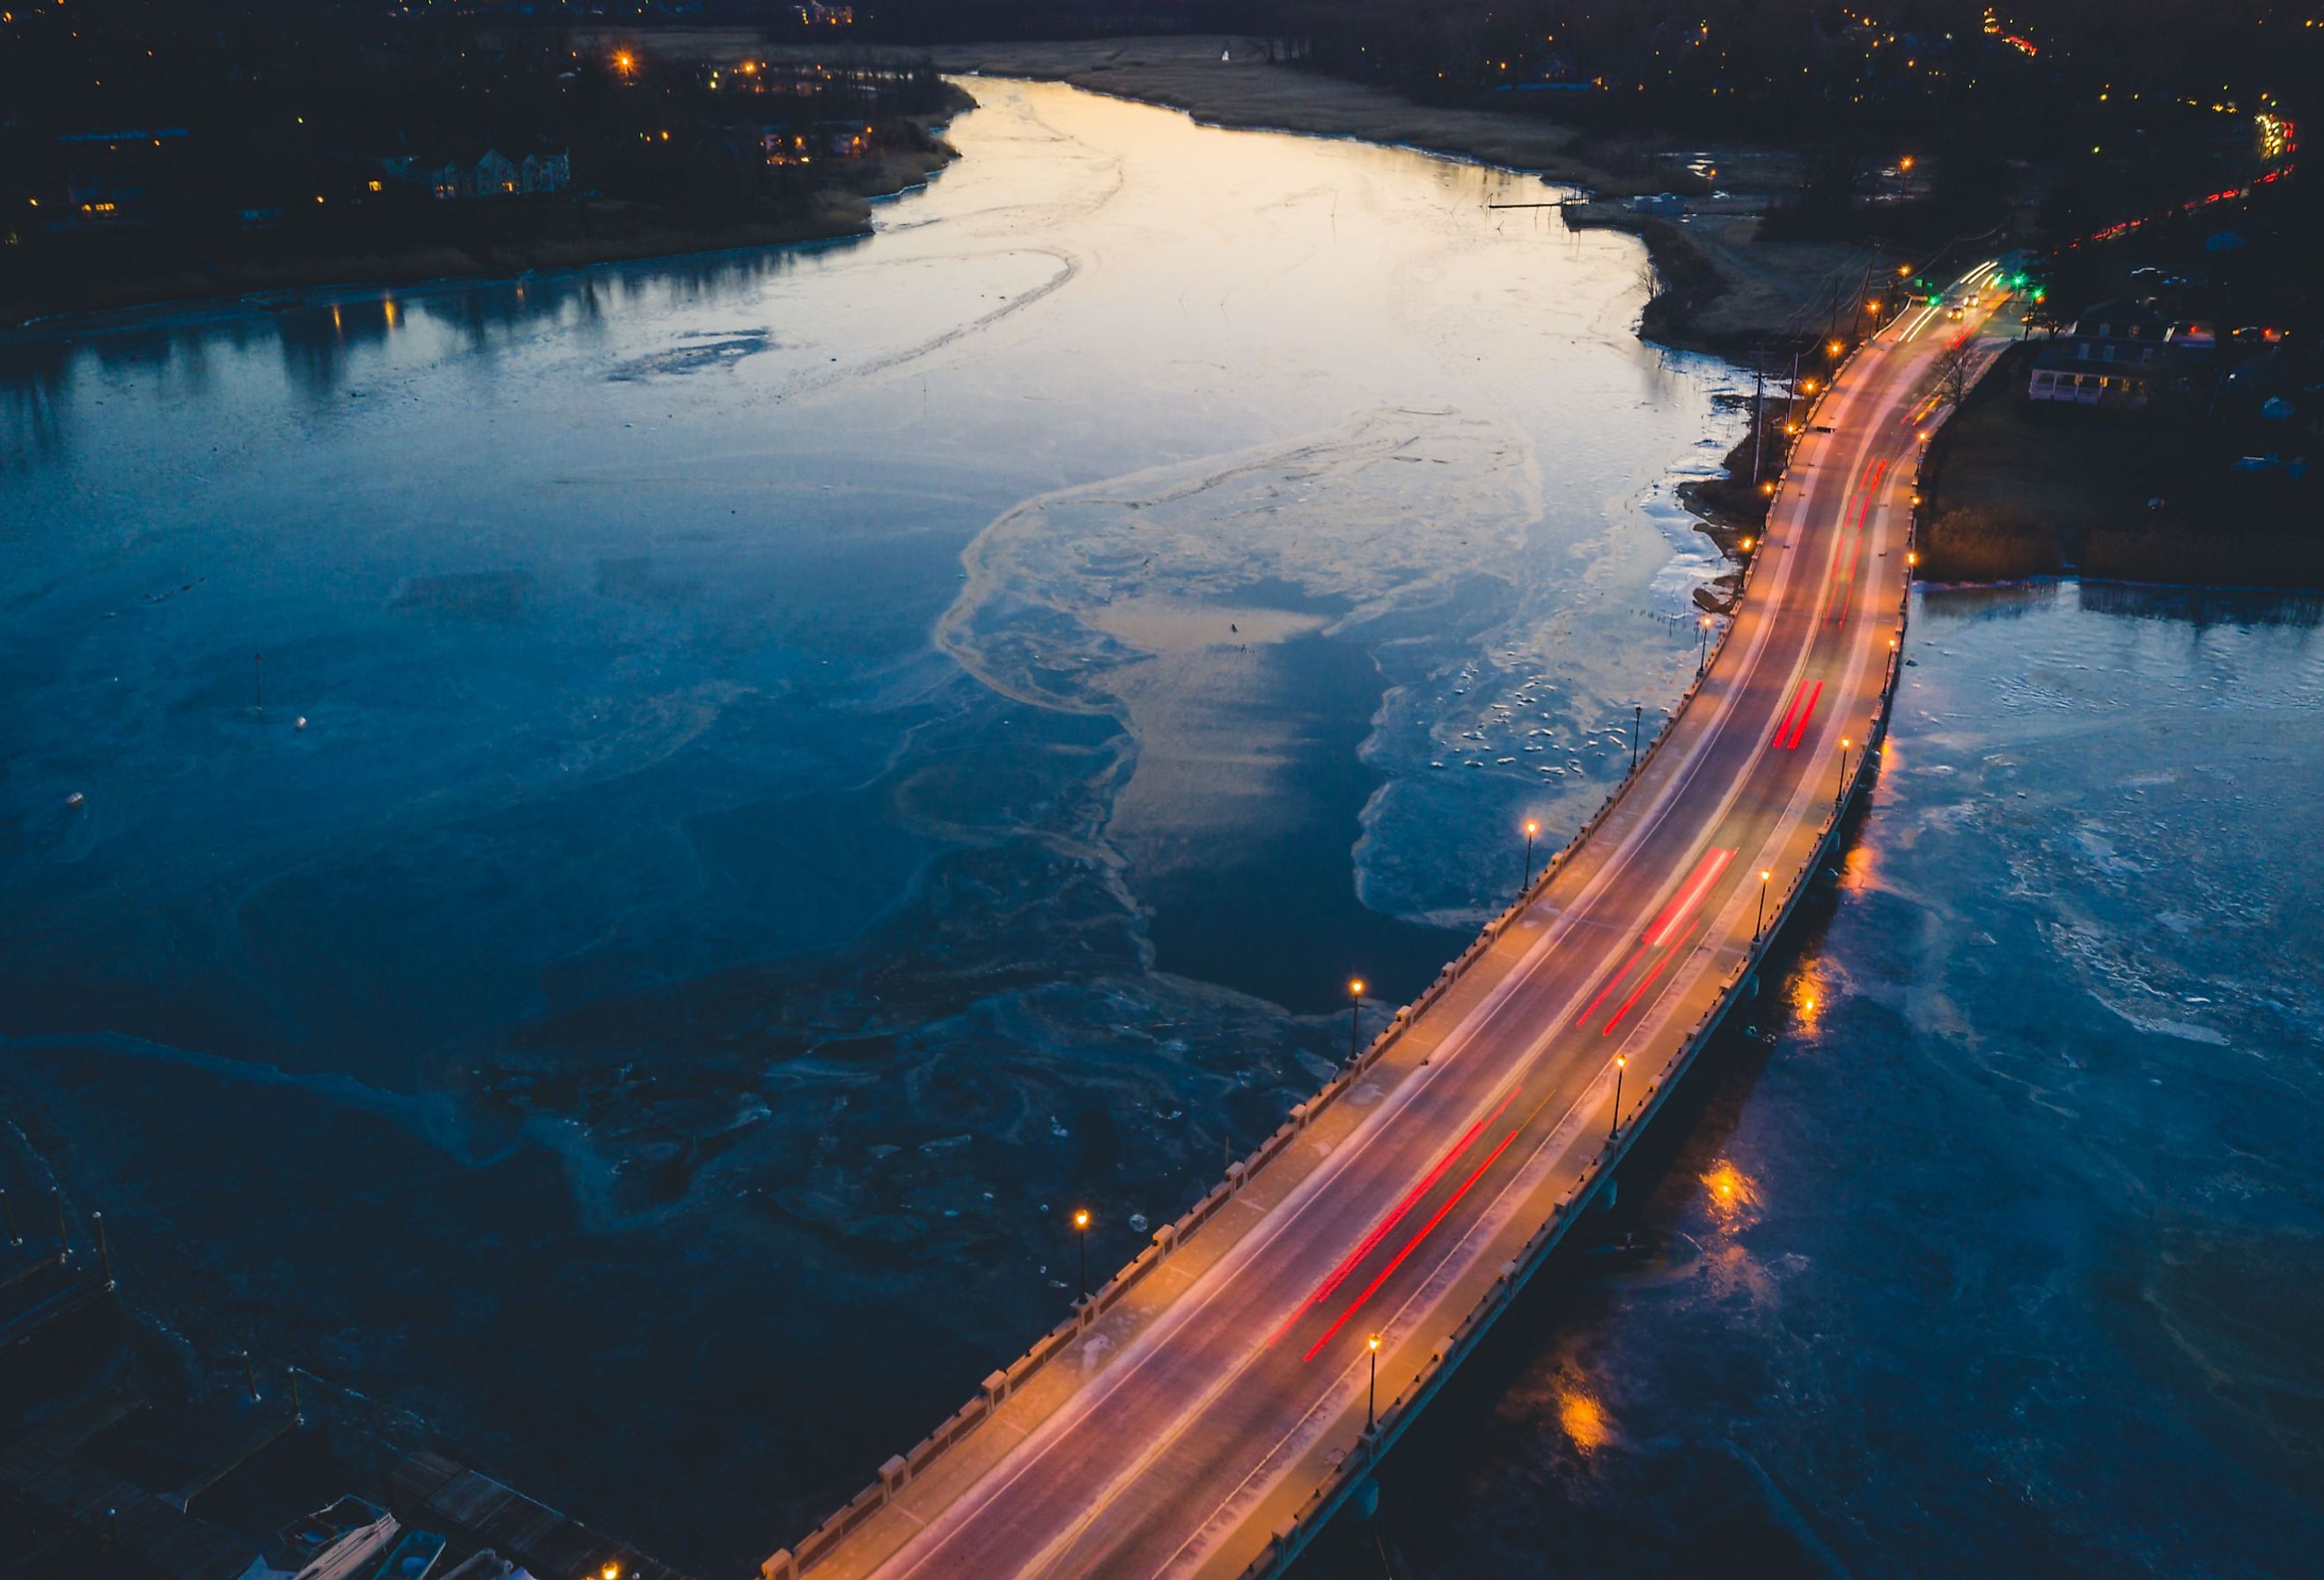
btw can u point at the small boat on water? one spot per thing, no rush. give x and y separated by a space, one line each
341 1541
413 1557
308 1538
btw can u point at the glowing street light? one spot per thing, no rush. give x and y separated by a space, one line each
1834 348
1531 828
1841 790
1621 1063
1759 922
1704 663
1371 1405
1355 1007
1081 1235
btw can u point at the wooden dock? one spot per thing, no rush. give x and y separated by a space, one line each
433 1494
88 1504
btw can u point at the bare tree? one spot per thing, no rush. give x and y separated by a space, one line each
1956 372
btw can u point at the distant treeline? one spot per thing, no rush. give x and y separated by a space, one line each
141 139
1975 87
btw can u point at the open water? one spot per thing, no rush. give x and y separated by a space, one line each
1995 1244
812 763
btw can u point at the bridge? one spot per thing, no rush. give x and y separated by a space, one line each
1205 1411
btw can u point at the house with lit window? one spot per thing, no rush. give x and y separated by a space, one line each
545 170
488 173
2112 357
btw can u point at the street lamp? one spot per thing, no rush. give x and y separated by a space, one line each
1371 1405
1759 922
1355 1007
1637 715
1621 1063
1841 790
1081 1234
1531 828
1704 663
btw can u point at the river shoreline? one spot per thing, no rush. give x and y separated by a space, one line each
1707 295
835 214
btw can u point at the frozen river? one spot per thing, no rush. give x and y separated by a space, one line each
810 762
1999 1249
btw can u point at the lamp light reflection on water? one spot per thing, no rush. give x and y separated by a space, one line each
1732 1193
1585 1418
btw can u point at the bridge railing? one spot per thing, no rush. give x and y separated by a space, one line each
900 1470
1293 1532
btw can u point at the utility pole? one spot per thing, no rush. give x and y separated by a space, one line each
1758 408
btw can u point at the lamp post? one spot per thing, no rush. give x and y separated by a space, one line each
1531 828
1637 716
1840 790
1759 923
1355 1007
1371 1404
1621 1063
1080 1236
1704 663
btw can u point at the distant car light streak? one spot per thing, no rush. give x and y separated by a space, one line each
1802 706
1394 1216
1681 906
1411 1245
1638 992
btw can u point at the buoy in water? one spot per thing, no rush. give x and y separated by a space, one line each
301 723
75 799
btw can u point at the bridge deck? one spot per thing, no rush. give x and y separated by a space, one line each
1211 1404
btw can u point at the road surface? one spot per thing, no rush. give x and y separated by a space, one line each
1177 1433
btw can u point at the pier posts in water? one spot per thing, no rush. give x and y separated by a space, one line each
103 1255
